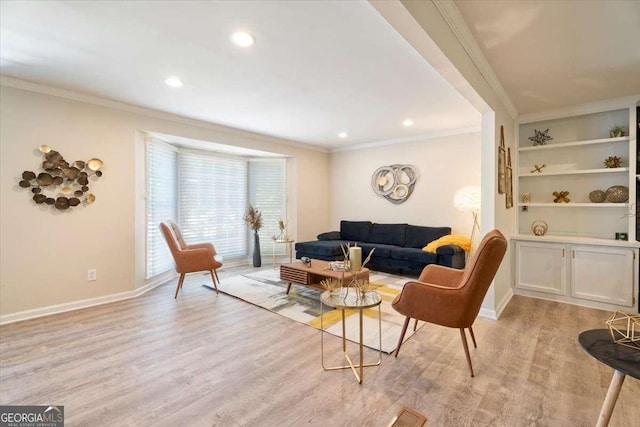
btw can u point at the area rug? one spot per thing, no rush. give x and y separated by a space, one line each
265 289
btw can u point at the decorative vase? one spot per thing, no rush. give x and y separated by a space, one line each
257 259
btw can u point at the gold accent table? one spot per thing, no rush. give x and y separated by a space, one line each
347 299
297 272
289 247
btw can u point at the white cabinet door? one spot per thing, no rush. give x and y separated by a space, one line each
541 267
604 274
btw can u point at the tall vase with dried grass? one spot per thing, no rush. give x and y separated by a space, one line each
253 217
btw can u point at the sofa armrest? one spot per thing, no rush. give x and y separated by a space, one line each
330 235
449 250
451 256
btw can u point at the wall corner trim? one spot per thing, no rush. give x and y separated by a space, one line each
456 22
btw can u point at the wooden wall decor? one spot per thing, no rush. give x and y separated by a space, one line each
501 163
509 181
66 184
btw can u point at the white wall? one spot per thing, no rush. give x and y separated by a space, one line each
45 253
444 165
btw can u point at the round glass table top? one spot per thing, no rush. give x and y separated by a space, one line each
350 298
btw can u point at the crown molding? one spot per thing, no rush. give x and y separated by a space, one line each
423 137
456 22
148 112
580 109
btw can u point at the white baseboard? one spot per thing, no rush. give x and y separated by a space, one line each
76 305
489 314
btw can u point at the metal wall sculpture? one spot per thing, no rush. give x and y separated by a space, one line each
67 183
395 183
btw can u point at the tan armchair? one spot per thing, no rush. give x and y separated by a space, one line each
190 258
451 297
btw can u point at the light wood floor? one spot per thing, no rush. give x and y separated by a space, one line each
207 360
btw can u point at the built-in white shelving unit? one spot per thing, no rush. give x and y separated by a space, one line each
579 260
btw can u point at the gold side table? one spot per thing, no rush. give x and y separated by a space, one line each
347 299
289 247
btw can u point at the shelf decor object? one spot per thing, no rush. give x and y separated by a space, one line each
501 163
616 131
617 194
538 168
625 329
66 184
613 162
597 196
540 137
539 227
561 197
395 183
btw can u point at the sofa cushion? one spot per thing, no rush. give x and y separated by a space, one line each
355 231
419 237
388 234
382 251
330 235
416 255
325 248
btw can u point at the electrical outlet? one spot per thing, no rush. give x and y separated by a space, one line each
92 275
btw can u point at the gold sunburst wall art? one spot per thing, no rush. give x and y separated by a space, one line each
61 184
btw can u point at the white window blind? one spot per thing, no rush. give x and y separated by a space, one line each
213 197
268 193
162 203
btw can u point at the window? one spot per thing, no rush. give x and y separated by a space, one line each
207 193
267 192
162 203
213 197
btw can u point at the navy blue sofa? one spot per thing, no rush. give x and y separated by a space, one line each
398 246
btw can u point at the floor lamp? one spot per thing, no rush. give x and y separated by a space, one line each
467 199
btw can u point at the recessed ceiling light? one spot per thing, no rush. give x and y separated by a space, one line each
343 135
173 82
242 39
407 122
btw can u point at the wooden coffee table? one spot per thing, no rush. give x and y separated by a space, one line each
298 273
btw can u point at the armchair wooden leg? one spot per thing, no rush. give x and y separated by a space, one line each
415 325
216 274
473 337
179 285
466 350
213 279
404 331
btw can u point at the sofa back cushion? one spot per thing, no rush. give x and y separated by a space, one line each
355 231
388 234
419 237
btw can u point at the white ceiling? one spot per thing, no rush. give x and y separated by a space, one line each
551 54
318 67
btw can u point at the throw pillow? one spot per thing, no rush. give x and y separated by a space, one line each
451 239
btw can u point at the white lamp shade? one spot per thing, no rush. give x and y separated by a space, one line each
467 199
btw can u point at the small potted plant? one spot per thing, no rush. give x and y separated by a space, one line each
616 131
